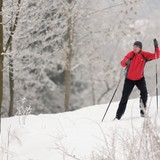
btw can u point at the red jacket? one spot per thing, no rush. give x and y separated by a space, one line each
135 67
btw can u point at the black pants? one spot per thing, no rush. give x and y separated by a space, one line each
127 89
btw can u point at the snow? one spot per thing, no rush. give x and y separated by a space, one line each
73 135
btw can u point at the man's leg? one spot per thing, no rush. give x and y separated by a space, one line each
141 85
142 107
127 89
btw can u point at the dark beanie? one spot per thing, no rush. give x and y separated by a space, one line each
138 43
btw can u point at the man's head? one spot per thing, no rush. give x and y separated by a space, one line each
137 46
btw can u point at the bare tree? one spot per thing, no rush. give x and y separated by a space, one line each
9 47
11 83
69 55
1 58
11 66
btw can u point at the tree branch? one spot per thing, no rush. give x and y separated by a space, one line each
13 28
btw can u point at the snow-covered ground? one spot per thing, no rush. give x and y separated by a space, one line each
80 134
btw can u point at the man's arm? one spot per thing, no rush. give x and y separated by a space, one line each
126 60
156 55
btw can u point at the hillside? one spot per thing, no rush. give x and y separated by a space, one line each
80 135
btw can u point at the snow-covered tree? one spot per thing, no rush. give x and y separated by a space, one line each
1 58
50 32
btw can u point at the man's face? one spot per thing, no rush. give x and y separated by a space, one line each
136 49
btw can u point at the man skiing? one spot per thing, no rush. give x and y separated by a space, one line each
135 62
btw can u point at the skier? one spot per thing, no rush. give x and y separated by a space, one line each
135 62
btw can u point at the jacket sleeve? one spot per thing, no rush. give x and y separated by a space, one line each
126 59
152 56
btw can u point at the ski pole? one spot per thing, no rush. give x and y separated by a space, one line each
156 87
156 46
112 98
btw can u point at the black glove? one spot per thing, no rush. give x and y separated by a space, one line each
128 62
155 43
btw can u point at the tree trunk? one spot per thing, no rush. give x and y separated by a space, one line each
68 61
92 84
9 41
11 84
9 46
1 58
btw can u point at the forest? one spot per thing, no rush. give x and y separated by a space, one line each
62 55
